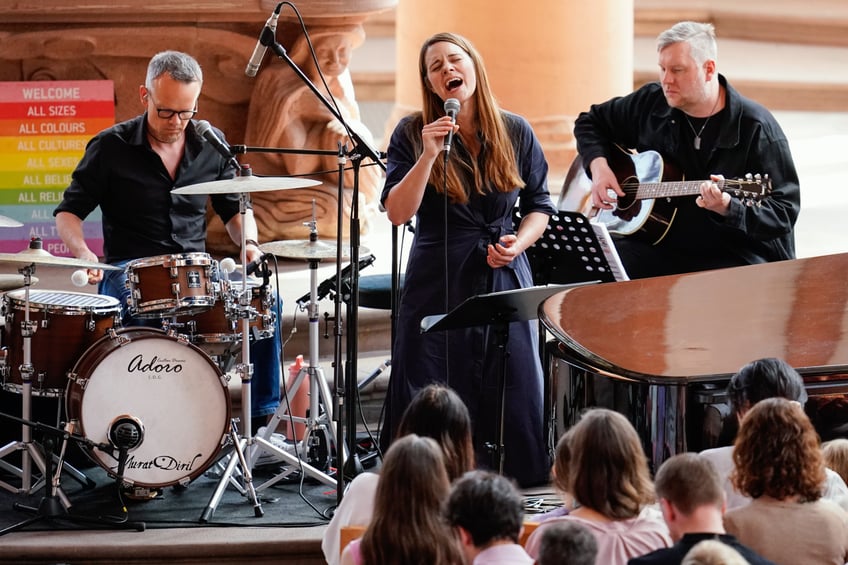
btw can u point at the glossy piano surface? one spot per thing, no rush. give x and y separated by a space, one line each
662 350
700 326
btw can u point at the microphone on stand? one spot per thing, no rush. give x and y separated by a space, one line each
204 129
125 433
267 37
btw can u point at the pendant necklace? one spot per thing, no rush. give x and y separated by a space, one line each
697 140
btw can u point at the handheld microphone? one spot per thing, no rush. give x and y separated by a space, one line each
80 277
265 38
451 109
204 128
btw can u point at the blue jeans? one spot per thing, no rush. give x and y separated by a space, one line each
265 354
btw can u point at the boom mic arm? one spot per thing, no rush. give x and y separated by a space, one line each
329 284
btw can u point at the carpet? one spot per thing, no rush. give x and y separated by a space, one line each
288 503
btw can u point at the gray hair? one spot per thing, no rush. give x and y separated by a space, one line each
700 37
181 67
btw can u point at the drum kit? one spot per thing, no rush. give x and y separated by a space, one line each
126 390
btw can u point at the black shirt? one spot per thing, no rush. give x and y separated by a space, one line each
674 555
121 173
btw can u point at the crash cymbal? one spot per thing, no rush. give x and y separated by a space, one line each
305 249
42 257
11 282
246 184
9 223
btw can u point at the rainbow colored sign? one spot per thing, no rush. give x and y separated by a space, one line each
44 128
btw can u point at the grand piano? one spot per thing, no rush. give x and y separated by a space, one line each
662 350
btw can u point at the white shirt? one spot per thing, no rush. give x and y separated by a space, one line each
356 509
722 459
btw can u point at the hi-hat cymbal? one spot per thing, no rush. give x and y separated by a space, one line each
246 184
42 257
6 222
11 282
305 249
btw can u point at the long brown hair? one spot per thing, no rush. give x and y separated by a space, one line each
601 463
500 171
407 525
436 411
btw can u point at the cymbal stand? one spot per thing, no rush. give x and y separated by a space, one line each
319 393
245 372
29 453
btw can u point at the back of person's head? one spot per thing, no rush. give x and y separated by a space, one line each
438 412
713 552
487 506
601 463
567 543
764 378
407 525
180 66
835 454
777 453
700 37
689 482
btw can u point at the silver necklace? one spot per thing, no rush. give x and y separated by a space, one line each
697 141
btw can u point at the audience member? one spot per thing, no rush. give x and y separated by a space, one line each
567 543
765 378
836 456
436 412
691 498
601 463
779 464
712 552
407 526
487 512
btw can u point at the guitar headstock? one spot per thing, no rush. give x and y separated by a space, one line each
751 190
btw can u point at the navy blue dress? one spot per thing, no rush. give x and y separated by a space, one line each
468 360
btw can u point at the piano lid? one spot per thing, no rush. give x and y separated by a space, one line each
698 326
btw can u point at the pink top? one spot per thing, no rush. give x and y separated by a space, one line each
618 540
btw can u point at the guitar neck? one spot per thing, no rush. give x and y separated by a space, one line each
668 189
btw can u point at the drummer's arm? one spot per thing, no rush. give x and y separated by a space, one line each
251 233
69 226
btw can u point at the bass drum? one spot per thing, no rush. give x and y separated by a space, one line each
171 389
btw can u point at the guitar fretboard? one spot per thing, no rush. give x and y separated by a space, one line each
670 189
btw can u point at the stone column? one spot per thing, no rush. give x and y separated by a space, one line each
548 61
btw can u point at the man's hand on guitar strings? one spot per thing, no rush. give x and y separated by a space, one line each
712 198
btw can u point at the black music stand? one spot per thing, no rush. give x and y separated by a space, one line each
570 250
496 309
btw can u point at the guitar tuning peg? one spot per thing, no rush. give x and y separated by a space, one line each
748 176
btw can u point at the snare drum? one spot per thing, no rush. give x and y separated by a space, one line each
65 324
169 387
167 285
218 329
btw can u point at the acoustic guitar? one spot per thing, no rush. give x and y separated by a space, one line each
650 184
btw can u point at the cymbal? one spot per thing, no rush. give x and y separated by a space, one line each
11 282
6 222
42 257
305 249
246 184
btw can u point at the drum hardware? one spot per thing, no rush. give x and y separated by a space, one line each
30 257
306 249
54 505
316 421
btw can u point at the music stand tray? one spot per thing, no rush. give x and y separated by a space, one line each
497 309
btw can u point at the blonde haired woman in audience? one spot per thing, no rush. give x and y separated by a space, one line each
836 456
407 526
779 464
601 464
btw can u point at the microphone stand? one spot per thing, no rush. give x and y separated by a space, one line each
53 505
360 150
